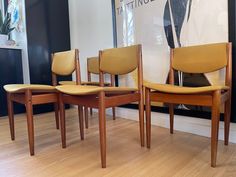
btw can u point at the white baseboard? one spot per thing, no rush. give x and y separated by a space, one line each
181 123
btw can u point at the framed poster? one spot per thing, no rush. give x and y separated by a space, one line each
163 24
232 38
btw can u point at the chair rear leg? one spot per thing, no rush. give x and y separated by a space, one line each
91 111
141 119
81 122
56 115
86 117
215 126
11 116
148 116
227 116
30 121
114 113
62 121
171 112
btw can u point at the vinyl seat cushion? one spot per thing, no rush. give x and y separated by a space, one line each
18 88
167 88
87 90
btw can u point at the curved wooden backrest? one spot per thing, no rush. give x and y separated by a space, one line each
200 59
93 65
119 61
63 63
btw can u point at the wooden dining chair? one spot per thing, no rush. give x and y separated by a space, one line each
117 61
196 59
63 63
92 69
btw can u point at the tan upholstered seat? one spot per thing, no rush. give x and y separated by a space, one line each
120 89
78 89
167 88
82 83
17 88
84 90
67 82
196 59
112 61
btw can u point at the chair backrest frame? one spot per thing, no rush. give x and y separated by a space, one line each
139 68
228 67
123 60
77 69
200 58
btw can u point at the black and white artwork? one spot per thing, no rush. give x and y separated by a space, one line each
163 24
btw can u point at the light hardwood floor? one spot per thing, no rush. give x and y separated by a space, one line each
181 154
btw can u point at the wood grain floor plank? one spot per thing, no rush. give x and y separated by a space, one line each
180 154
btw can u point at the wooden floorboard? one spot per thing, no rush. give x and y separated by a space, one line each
180 154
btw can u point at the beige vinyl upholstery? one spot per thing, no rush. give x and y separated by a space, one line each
63 63
119 89
124 60
67 82
93 65
18 88
85 89
200 59
78 89
82 83
166 88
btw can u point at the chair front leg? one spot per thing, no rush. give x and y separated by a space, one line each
148 116
11 115
30 121
215 126
227 116
102 127
171 112
62 120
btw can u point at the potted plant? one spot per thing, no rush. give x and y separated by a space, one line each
5 27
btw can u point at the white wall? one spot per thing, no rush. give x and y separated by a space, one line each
90 28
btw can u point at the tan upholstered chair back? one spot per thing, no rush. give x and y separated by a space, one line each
119 61
63 63
200 59
93 65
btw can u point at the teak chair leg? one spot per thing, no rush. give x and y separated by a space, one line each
62 121
102 127
91 111
11 116
141 119
86 117
215 126
148 116
114 113
171 112
81 122
56 114
227 120
30 123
